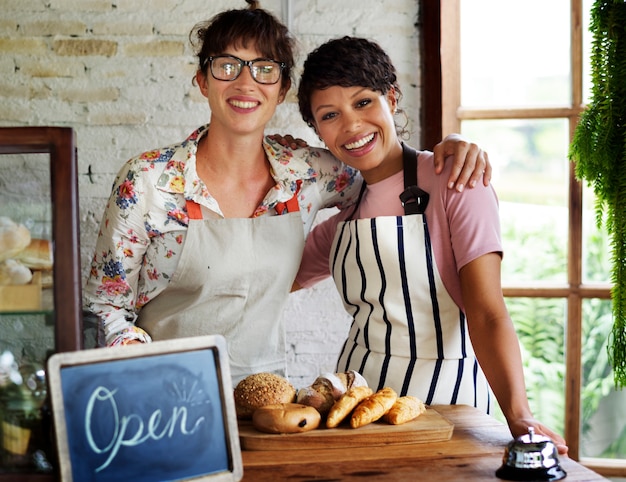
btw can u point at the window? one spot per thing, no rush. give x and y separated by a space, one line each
513 78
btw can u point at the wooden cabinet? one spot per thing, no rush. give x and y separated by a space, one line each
39 191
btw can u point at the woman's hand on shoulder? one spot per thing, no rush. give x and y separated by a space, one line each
289 141
470 162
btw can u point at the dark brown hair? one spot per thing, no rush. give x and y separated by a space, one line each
346 62
252 26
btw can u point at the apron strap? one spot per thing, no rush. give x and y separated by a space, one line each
413 199
358 200
194 211
291 205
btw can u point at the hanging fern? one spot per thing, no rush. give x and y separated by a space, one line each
599 151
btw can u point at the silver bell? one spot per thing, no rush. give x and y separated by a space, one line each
531 457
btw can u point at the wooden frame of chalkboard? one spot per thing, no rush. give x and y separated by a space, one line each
151 412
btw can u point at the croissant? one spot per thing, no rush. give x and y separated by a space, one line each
342 407
404 410
373 407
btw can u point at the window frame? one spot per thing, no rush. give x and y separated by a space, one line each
441 100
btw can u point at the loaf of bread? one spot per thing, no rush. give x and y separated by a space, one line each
261 389
14 237
404 410
346 403
373 407
328 388
286 418
37 255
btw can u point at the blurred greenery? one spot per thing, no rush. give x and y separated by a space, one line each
531 176
598 150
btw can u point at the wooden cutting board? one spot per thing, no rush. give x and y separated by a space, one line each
428 427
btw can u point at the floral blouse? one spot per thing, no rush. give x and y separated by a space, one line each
143 228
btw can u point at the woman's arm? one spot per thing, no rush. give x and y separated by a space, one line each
110 290
470 162
496 344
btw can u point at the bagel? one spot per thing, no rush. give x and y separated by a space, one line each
286 418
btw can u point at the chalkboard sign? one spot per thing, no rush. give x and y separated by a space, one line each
160 411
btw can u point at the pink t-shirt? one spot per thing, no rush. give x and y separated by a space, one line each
462 226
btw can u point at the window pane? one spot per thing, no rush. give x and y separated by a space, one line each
515 53
530 176
540 327
596 262
603 427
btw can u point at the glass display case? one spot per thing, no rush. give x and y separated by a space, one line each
40 289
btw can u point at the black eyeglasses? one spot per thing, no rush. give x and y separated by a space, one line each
228 67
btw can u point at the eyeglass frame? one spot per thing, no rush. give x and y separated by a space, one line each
243 63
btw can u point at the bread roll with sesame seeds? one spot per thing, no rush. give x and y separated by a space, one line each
261 389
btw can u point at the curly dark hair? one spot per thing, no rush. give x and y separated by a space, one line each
345 62
252 26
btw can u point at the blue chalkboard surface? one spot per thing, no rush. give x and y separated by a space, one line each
156 412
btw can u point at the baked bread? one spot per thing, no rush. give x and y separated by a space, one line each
328 388
260 389
404 410
37 255
286 418
346 403
12 272
373 407
14 238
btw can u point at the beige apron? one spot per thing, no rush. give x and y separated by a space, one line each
233 279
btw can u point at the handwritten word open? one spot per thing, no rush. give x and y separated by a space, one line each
122 435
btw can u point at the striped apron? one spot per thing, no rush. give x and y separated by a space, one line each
407 332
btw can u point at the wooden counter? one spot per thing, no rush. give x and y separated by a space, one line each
473 453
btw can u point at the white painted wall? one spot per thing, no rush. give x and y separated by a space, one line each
119 72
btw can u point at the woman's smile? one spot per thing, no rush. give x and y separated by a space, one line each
360 143
243 105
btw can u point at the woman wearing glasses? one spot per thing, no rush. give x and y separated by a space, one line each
205 236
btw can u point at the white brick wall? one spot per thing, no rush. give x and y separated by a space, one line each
119 72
